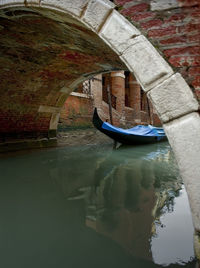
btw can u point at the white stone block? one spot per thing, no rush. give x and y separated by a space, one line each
11 3
184 137
146 63
48 109
96 13
74 7
118 32
173 98
76 82
54 121
62 99
68 89
164 4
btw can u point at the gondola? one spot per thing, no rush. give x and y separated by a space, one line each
137 135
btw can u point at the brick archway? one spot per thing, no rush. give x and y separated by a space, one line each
170 94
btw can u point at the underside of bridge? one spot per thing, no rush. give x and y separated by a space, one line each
43 55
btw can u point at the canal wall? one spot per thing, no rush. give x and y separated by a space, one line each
77 111
68 42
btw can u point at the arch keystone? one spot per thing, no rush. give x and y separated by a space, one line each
173 98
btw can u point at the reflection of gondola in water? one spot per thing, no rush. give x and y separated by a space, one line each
136 135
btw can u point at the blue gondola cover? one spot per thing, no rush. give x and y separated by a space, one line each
139 130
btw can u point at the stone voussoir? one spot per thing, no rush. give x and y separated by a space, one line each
62 99
11 3
76 82
54 121
118 32
184 137
97 12
74 7
68 89
48 109
173 98
147 64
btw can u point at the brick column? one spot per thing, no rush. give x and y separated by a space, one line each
96 90
135 96
118 89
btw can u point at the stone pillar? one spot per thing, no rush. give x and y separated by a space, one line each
96 90
135 96
118 89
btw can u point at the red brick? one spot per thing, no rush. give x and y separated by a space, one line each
151 24
122 2
195 50
175 28
135 9
194 38
197 92
189 3
190 27
196 82
175 18
162 32
178 61
194 71
143 16
174 40
195 14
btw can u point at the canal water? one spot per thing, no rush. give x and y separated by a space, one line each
92 206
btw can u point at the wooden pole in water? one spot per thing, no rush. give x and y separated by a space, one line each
109 103
110 111
149 110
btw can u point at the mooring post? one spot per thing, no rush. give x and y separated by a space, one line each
110 111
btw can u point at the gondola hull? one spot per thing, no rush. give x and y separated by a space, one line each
127 137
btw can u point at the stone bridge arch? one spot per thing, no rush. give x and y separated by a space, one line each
121 44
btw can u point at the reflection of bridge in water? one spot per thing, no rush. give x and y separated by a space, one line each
132 189
89 206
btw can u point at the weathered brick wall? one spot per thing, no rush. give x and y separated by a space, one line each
39 58
37 64
77 111
173 26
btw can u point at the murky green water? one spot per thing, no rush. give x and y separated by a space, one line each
91 206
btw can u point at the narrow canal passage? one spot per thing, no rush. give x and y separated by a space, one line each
90 206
